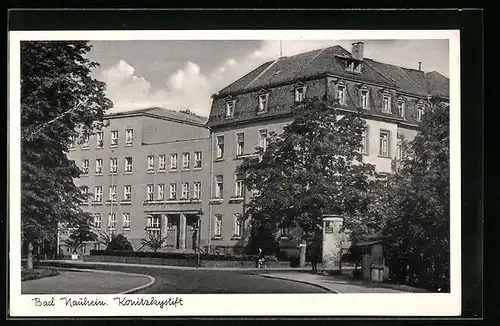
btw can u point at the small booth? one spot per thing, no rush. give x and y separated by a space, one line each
372 258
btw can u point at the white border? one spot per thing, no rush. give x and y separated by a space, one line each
415 304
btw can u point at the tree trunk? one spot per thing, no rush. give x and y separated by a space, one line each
30 256
303 245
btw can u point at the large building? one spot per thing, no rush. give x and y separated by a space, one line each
157 170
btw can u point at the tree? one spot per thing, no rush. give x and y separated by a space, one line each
79 236
154 241
418 251
313 168
59 100
120 242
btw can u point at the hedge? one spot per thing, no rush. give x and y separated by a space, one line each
175 255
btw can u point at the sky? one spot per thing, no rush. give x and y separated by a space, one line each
179 75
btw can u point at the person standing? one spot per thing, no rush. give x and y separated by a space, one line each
314 259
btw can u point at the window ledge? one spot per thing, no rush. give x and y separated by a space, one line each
197 168
84 175
72 149
96 203
383 156
216 201
185 169
162 171
150 171
171 201
127 172
219 159
125 228
152 202
99 174
236 237
113 146
100 147
173 170
262 112
83 147
111 202
129 145
113 173
126 202
217 237
235 199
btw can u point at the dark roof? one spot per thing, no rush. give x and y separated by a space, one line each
438 84
329 61
164 113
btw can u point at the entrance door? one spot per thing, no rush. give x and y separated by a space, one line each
191 234
173 231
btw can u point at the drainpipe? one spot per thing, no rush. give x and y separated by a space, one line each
211 193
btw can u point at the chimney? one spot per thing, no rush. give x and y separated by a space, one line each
420 66
357 50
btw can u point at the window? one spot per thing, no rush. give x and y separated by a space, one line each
85 193
85 167
113 165
114 138
386 103
98 166
220 146
364 141
197 190
219 186
384 143
151 163
238 225
364 99
185 160
150 193
112 193
263 139
218 226
420 112
127 193
173 161
97 220
173 191
263 100
154 221
185 190
198 160
129 137
86 141
162 162
240 144
300 93
112 221
340 94
399 148
100 139
128 164
230 108
401 108
353 66
238 191
126 220
161 192
98 193
72 142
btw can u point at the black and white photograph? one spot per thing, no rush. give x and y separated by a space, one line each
160 166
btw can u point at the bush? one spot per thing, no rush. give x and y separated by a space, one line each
120 242
294 261
36 273
175 255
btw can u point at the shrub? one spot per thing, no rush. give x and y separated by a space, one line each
120 242
36 273
294 261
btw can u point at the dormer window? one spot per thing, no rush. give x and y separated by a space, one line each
354 66
300 92
386 103
401 107
263 102
230 108
364 95
341 94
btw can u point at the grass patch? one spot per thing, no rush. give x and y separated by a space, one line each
37 273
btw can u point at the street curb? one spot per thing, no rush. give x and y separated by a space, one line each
300 281
151 279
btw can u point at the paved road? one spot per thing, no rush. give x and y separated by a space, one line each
178 281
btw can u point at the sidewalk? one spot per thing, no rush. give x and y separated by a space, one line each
342 283
87 282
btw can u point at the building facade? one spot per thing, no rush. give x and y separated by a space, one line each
166 172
